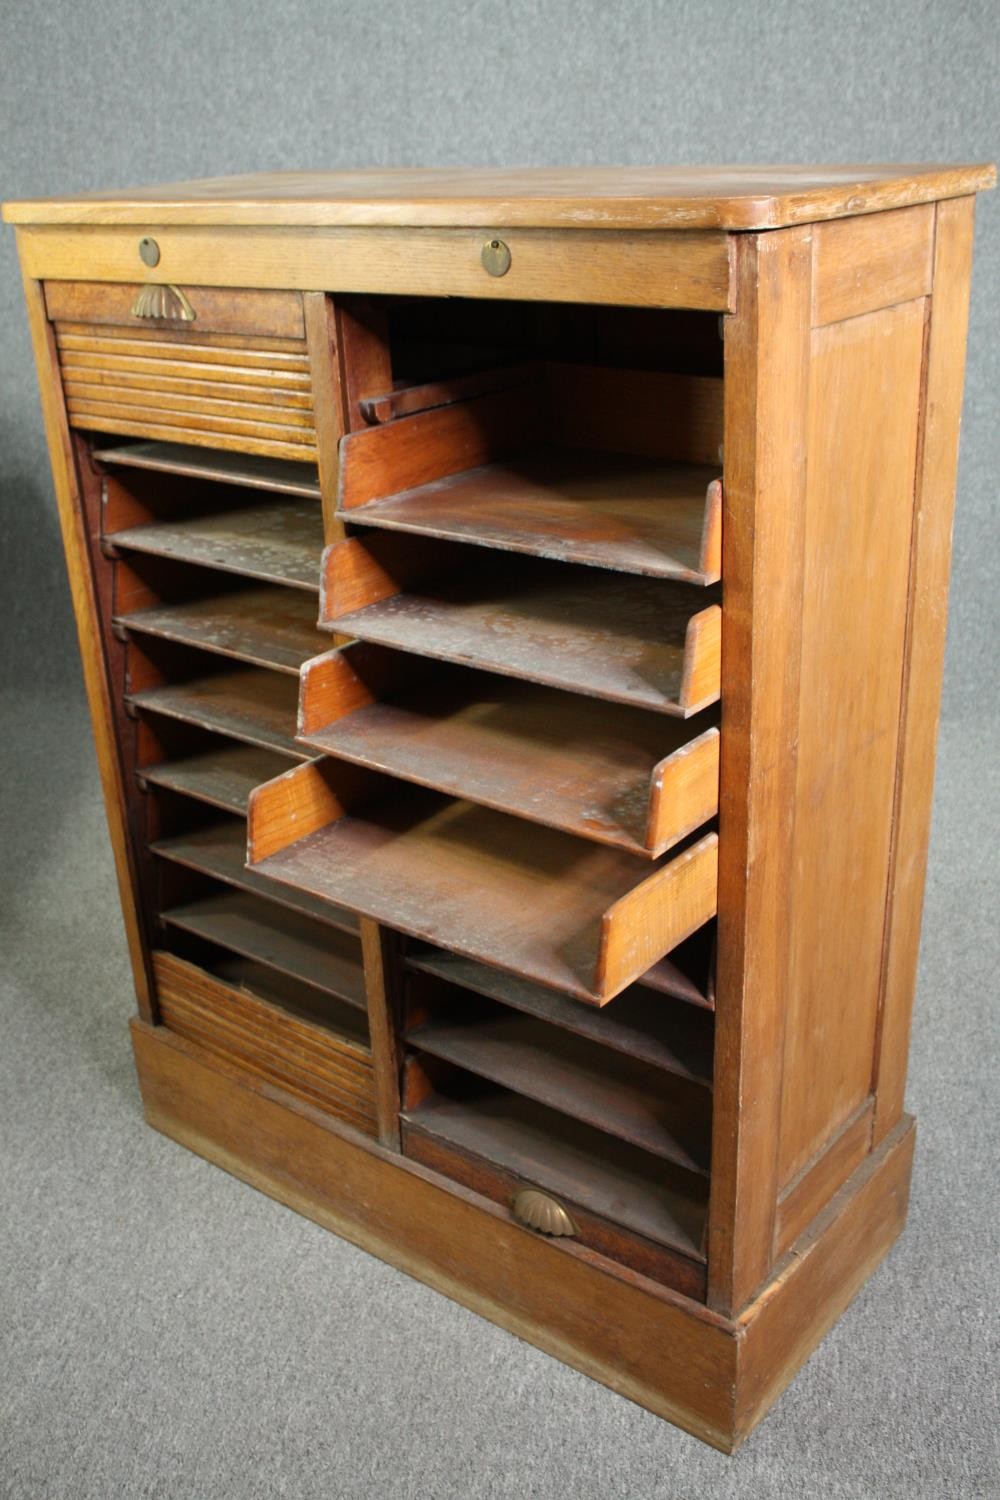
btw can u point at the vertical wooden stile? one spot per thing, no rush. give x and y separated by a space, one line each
85 610
930 562
380 950
766 413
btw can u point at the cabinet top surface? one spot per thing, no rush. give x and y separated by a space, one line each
733 197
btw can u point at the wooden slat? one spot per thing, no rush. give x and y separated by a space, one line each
274 314
571 1160
220 850
585 630
616 775
281 542
265 448
182 335
224 405
321 956
195 418
107 349
266 626
256 706
243 469
93 382
610 511
620 1095
550 908
639 1023
89 365
223 776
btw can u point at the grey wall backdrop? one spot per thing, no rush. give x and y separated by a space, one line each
164 1331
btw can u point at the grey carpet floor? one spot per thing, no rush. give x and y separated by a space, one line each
167 1332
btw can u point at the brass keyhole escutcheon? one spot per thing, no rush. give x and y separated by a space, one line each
149 251
496 257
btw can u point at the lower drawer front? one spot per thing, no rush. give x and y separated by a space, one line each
330 1072
220 369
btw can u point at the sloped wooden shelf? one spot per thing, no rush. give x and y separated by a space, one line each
283 476
610 511
247 703
647 642
563 912
280 542
616 775
666 1116
580 1165
265 626
223 776
687 973
220 850
281 940
327 1062
638 1022
496 470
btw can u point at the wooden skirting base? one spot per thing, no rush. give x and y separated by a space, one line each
713 1376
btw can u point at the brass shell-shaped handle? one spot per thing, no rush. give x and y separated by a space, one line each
539 1211
168 302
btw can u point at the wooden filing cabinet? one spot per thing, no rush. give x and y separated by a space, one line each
512 613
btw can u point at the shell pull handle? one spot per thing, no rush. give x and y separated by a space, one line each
539 1211
166 302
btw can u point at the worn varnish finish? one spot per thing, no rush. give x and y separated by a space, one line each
638 641
622 1203
294 945
277 543
525 529
728 197
619 1095
639 1024
712 1376
250 704
220 850
574 915
604 772
266 627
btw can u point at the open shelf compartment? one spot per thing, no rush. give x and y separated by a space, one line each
278 939
497 1141
641 1024
617 775
517 470
646 642
558 910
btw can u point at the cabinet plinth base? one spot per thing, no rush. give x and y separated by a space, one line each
713 1376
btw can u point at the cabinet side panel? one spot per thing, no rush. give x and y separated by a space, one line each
931 560
864 407
81 585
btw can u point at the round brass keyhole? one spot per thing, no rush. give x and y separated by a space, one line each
496 257
149 251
